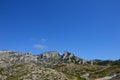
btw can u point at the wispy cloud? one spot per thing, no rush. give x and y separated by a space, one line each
43 40
40 46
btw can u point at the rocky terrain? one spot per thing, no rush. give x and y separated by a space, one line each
53 66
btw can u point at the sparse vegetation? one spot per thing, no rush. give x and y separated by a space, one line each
52 66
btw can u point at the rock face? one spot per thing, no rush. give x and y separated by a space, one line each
13 57
45 58
67 55
49 58
50 54
53 57
70 57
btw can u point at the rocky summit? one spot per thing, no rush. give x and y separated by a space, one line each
51 65
45 58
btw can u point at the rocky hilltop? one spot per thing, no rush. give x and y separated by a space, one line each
13 57
51 65
45 58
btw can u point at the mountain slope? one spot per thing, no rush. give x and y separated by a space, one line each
53 66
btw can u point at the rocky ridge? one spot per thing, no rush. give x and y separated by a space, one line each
45 58
52 65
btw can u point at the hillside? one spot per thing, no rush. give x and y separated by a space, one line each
53 66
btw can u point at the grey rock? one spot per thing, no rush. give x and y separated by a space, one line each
50 54
12 57
45 58
50 58
70 57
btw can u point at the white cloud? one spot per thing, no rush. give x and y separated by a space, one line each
43 40
39 46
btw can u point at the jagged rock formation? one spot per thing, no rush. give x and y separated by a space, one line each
53 66
49 58
45 58
13 57
70 57
54 57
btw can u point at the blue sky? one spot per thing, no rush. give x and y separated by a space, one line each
88 28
